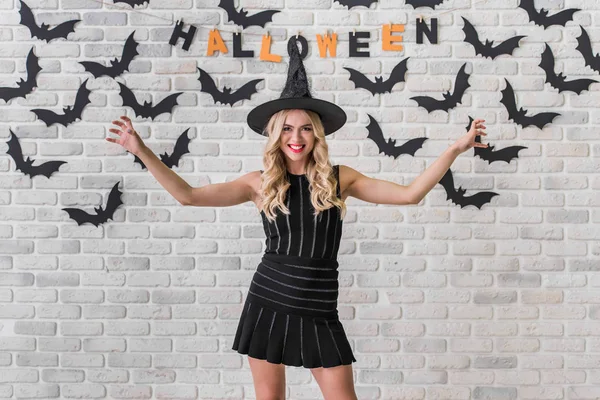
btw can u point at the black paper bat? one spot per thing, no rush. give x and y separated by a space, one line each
424 3
70 114
240 17
23 87
132 3
559 81
457 196
379 86
117 67
102 215
541 17
26 165
518 116
356 3
226 96
181 148
488 49
490 155
461 84
147 110
388 146
584 45
43 32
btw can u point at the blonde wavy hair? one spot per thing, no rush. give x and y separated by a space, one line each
319 171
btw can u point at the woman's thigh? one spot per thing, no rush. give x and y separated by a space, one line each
269 379
336 382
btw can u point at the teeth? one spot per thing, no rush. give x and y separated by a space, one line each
296 147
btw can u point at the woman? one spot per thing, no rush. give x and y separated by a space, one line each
290 313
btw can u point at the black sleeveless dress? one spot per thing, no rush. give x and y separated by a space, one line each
290 314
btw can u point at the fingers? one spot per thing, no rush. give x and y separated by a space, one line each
127 121
113 130
119 123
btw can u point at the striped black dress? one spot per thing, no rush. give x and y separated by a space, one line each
290 314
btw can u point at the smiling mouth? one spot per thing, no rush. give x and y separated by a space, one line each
297 149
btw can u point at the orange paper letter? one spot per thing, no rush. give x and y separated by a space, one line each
265 50
327 43
215 43
387 39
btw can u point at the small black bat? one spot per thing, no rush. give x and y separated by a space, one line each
43 32
488 49
388 146
379 86
70 114
490 155
226 96
518 116
559 81
23 87
147 110
240 17
424 3
132 3
461 84
117 67
26 166
181 148
457 196
541 17
356 3
102 215
584 45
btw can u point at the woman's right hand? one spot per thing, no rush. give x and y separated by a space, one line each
128 137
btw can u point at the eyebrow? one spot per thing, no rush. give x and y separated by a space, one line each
293 125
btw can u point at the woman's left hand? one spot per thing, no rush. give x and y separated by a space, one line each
468 140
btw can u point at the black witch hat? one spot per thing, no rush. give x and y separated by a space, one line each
296 94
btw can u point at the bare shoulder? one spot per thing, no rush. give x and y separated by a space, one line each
253 179
347 176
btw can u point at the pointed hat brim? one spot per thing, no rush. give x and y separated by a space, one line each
332 116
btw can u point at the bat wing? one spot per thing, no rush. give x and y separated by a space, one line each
560 18
461 84
128 54
48 116
62 30
181 148
477 200
243 93
258 19
584 45
82 99
81 216
165 105
388 146
457 195
397 75
507 46
424 3
209 86
132 3
24 87
138 160
129 100
113 202
472 37
510 103
95 68
28 20
429 103
540 120
361 81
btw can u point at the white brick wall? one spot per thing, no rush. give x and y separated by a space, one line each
438 302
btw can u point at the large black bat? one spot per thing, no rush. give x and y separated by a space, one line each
23 87
147 110
379 86
461 84
102 215
488 49
490 155
26 165
424 3
356 3
388 146
43 32
559 81
117 67
240 17
181 148
457 196
132 3
584 45
518 116
70 114
226 96
541 17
